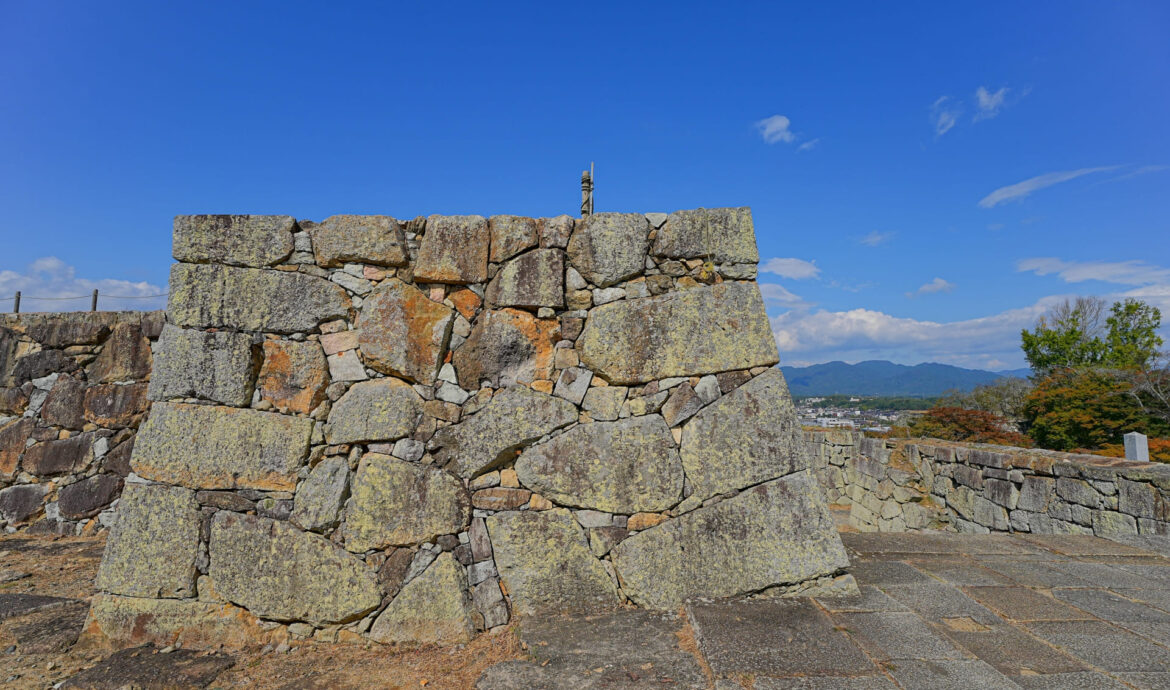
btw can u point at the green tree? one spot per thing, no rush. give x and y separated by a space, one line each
1132 341
1085 408
1077 333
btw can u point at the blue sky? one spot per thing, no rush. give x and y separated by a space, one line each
929 177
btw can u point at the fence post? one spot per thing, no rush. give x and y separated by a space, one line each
16 305
93 305
1136 447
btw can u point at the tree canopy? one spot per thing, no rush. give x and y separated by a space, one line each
1078 333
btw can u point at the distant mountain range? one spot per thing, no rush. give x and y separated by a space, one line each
879 377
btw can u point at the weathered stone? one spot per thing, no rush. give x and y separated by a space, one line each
453 250
641 521
514 418
152 548
431 609
773 534
224 500
60 330
573 384
748 436
618 467
510 236
534 279
545 562
115 406
404 333
699 331
204 447
397 503
555 232
13 401
607 248
346 366
64 405
88 497
235 240
124 621
500 498
117 460
722 235
507 346
343 239
604 403
40 364
379 410
250 299
217 366
19 503
13 438
341 341
65 456
125 357
294 376
277 571
682 404
320 498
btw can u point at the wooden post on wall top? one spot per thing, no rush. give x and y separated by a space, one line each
93 305
16 304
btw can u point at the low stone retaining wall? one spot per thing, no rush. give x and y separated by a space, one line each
72 394
899 485
408 432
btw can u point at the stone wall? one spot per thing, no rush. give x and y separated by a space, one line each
409 432
899 485
72 394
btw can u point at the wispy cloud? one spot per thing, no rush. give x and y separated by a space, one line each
53 278
944 114
775 129
1120 272
796 269
989 103
778 295
1021 190
875 238
1141 170
934 286
808 145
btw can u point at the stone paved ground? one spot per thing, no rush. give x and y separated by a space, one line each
935 611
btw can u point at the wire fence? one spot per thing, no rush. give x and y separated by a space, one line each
19 298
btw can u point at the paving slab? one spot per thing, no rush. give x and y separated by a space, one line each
1149 681
1158 598
1013 652
147 667
1032 573
886 636
510 675
870 599
937 601
988 544
1159 574
20 604
886 572
788 637
1102 574
1024 604
1109 606
1157 631
1155 543
1083 545
949 675
958 571
1070 681
1103 645
50 630
820 683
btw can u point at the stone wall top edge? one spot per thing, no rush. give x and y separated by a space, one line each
10 320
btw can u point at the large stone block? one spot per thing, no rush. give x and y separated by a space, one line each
21 502
398 503
724 235
534 279
65 404
778 533
40 364
514 418
748 436
507 346
116 406
152 548
8 341
205 447
62 456
454 250
627 466
218 366
379 410
544 561
236 240
320 498
13 437
698 331
125 356
213 296
294 375
433 608
131 621
277 571
511 235
88 497
404 333
607 248
343 239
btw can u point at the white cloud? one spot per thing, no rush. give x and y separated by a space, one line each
796 269
934 286
778 295
1120 272
52 277
775 129
875 238
1020 190
944 114
808 145
989 103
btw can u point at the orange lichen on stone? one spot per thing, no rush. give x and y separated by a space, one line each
466 302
